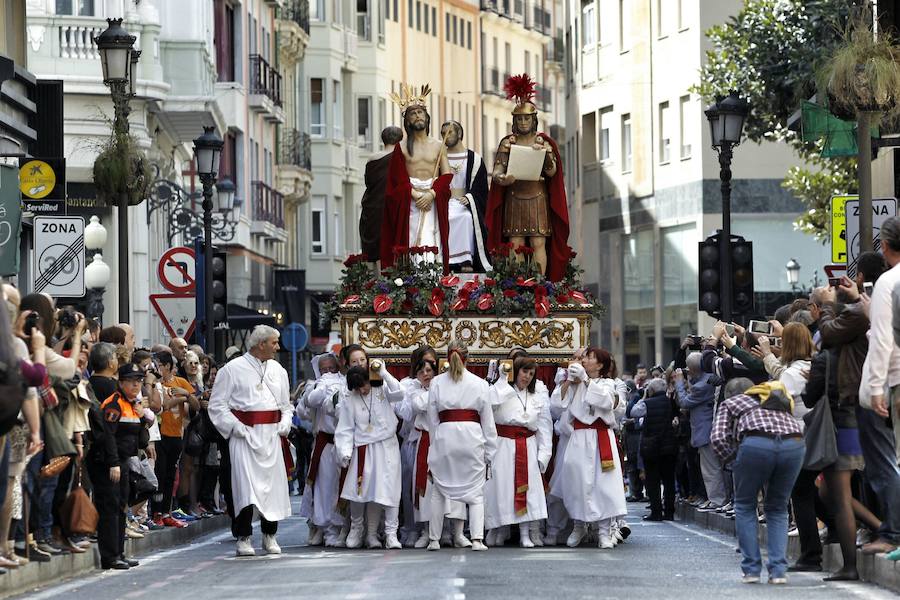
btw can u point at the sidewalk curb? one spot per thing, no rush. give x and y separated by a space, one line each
37 575
872 569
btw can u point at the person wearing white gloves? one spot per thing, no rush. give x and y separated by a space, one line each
251 407
515 493
592 485
320 497
367 446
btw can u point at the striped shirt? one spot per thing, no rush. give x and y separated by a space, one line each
739 415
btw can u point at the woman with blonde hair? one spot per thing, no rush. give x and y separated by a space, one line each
464 440
792 368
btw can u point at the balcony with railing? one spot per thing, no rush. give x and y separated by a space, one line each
293 32
267 211
294 149
296 11
543 98
293 169
492 80
265 88
555 50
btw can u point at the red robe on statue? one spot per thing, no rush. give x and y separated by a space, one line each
397 202
558 250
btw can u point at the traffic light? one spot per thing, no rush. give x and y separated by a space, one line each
708 271
219 288
742 276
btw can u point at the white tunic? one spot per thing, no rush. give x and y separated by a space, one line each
258 474
589 493
520 408
319 502
460 451
462 227
370 421
425 233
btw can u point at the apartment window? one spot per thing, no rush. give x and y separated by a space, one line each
469 35
626 143
433 22
317 124
527 61
387 9
363 20
683 16
507 56
409 13
337 112
589 24
447 27
605 122
665 136
396 12
317 10
418 15
224 39
81 8
455 29
318 228
665 16
427 14
624 25
364 122
338 250
685 125
607 21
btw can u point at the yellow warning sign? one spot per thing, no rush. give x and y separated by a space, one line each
36 179
839 227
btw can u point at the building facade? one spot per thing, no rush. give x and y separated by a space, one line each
646 181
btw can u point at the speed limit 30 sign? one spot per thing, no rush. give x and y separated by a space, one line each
59 256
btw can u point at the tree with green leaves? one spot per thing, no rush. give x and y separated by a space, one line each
772 51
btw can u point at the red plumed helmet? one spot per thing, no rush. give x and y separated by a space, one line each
521 89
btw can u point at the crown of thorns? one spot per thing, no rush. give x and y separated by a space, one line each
410 97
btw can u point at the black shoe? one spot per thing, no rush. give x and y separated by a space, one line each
668 517
635 499
625 530
131 562
118 565
652 518
34 554
799 567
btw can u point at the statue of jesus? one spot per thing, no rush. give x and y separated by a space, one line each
417 194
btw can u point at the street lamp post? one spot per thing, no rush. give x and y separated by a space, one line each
726 122
96 274
208 151
793 273
118 60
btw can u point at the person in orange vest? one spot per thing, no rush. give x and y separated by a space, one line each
117 431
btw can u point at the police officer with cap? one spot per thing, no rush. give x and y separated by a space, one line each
117 430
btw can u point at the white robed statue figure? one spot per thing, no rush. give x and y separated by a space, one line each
250 406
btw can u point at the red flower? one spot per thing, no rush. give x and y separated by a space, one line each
572 254
400 250
461 302
541 305
510 293
449 280
432 249
562 298
407 305
488 282
521 249
579 297
352 299
369 284
530 282
412 291
540 291
469 286
486 301
436 304
382 303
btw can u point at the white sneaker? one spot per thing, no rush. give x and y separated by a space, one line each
316 537
391 542
341 541
355 538
422 542
606 543
577 535
478 546
244 547
461 541
434 545
270 544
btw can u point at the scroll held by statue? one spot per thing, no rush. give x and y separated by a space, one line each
525 163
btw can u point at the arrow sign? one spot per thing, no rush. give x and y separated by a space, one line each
177 270
177 312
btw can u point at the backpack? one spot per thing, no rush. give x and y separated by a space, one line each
12 396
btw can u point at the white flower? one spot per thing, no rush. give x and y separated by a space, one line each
398 282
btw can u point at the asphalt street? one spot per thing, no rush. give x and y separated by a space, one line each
660 560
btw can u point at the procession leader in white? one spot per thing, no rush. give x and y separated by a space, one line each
463 443
250 406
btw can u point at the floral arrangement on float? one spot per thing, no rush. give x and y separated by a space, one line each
415 285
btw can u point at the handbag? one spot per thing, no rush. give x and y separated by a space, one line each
193 437
820 436
78 510
55 466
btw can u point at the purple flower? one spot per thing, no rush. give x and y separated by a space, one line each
507 283
383 288
407 280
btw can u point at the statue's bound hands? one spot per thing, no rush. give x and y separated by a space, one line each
424 202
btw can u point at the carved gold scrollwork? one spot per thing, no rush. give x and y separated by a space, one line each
467 332
401 334
528 334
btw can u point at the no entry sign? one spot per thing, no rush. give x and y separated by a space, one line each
59 256
177 270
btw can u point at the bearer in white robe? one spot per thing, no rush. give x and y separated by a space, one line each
319 502
463 443
367 446
515 493
250 406
592 486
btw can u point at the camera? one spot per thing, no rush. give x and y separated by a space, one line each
31 321
775 341
695 342
868 287
761 327
68 319
834 282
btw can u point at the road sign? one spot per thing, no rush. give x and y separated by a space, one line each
839 228
59 256
177 313
294 337
882 210
177 270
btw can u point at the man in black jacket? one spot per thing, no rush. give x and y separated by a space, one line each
372 205
659 448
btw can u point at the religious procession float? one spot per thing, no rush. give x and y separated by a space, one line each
487 265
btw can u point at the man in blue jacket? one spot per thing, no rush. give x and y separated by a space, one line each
700 398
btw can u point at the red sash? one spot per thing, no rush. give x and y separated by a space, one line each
267 417
421 474
322 440
520 481
603 444
459 415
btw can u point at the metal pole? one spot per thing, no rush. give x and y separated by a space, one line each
864 172
207 266
725 154
121 127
